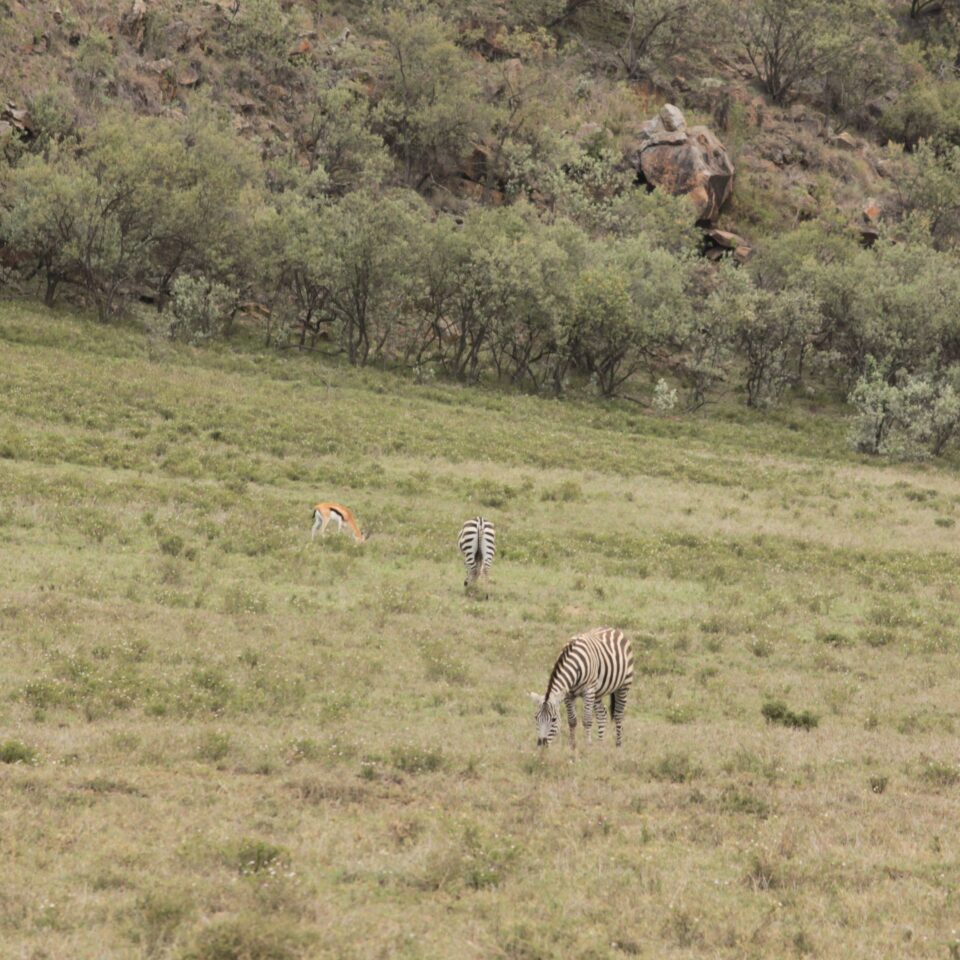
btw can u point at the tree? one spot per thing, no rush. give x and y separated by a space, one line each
93 221
715 302
259 33
629 310
931 189
211 193
39 215
146 199
465 288
772 332
365 243
904 415
791 42
603 334
428 101
641 32
336 137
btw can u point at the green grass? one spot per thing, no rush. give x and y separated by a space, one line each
223 740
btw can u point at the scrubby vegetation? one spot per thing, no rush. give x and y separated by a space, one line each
447 187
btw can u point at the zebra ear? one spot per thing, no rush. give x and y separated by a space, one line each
535 697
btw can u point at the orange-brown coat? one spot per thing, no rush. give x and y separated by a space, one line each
323 513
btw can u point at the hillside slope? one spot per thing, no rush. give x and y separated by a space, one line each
223 740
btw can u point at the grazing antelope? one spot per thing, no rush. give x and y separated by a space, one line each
591 665
323 513
477 544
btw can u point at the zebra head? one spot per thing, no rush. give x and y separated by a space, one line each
547 718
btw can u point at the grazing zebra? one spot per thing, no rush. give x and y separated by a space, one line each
323 513
476 543
591 665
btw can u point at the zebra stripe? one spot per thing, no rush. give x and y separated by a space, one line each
476 543
591 665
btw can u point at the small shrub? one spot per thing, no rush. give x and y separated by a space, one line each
95 62
567 492
213 746
255 856
664 397
679 714
760 647
172 545
477 862
878 783
13 751
877 637
939 774
238 599
249 658
418 759
305 749
913 418
776 711
945 521
158 914
202 308
734 800
833 639
676 767
763 873
246 939
261 31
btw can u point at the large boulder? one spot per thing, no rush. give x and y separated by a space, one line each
684 161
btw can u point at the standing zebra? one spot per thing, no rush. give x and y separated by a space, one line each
476 543
591 665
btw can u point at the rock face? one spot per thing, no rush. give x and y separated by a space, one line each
683 161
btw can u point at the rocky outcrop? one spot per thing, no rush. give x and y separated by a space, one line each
684 161
721 243
15 123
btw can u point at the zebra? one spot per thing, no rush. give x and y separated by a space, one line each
476 543
591 665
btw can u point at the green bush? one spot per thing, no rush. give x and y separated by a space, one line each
247 938
250 856
776 711
914 417
14 751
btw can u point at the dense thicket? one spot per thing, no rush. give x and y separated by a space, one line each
450 194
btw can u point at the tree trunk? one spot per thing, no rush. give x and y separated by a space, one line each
50 293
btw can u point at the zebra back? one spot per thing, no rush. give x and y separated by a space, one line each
601 659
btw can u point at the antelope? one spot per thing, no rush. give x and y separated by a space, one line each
323 513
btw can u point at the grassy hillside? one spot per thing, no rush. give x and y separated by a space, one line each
225 741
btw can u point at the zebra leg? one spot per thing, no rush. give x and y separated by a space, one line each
619 704
588 701
601 711
572 720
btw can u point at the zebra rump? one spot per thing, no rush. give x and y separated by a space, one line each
477 546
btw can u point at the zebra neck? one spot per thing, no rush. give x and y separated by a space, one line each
557 687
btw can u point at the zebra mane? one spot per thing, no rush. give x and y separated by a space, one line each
561 659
